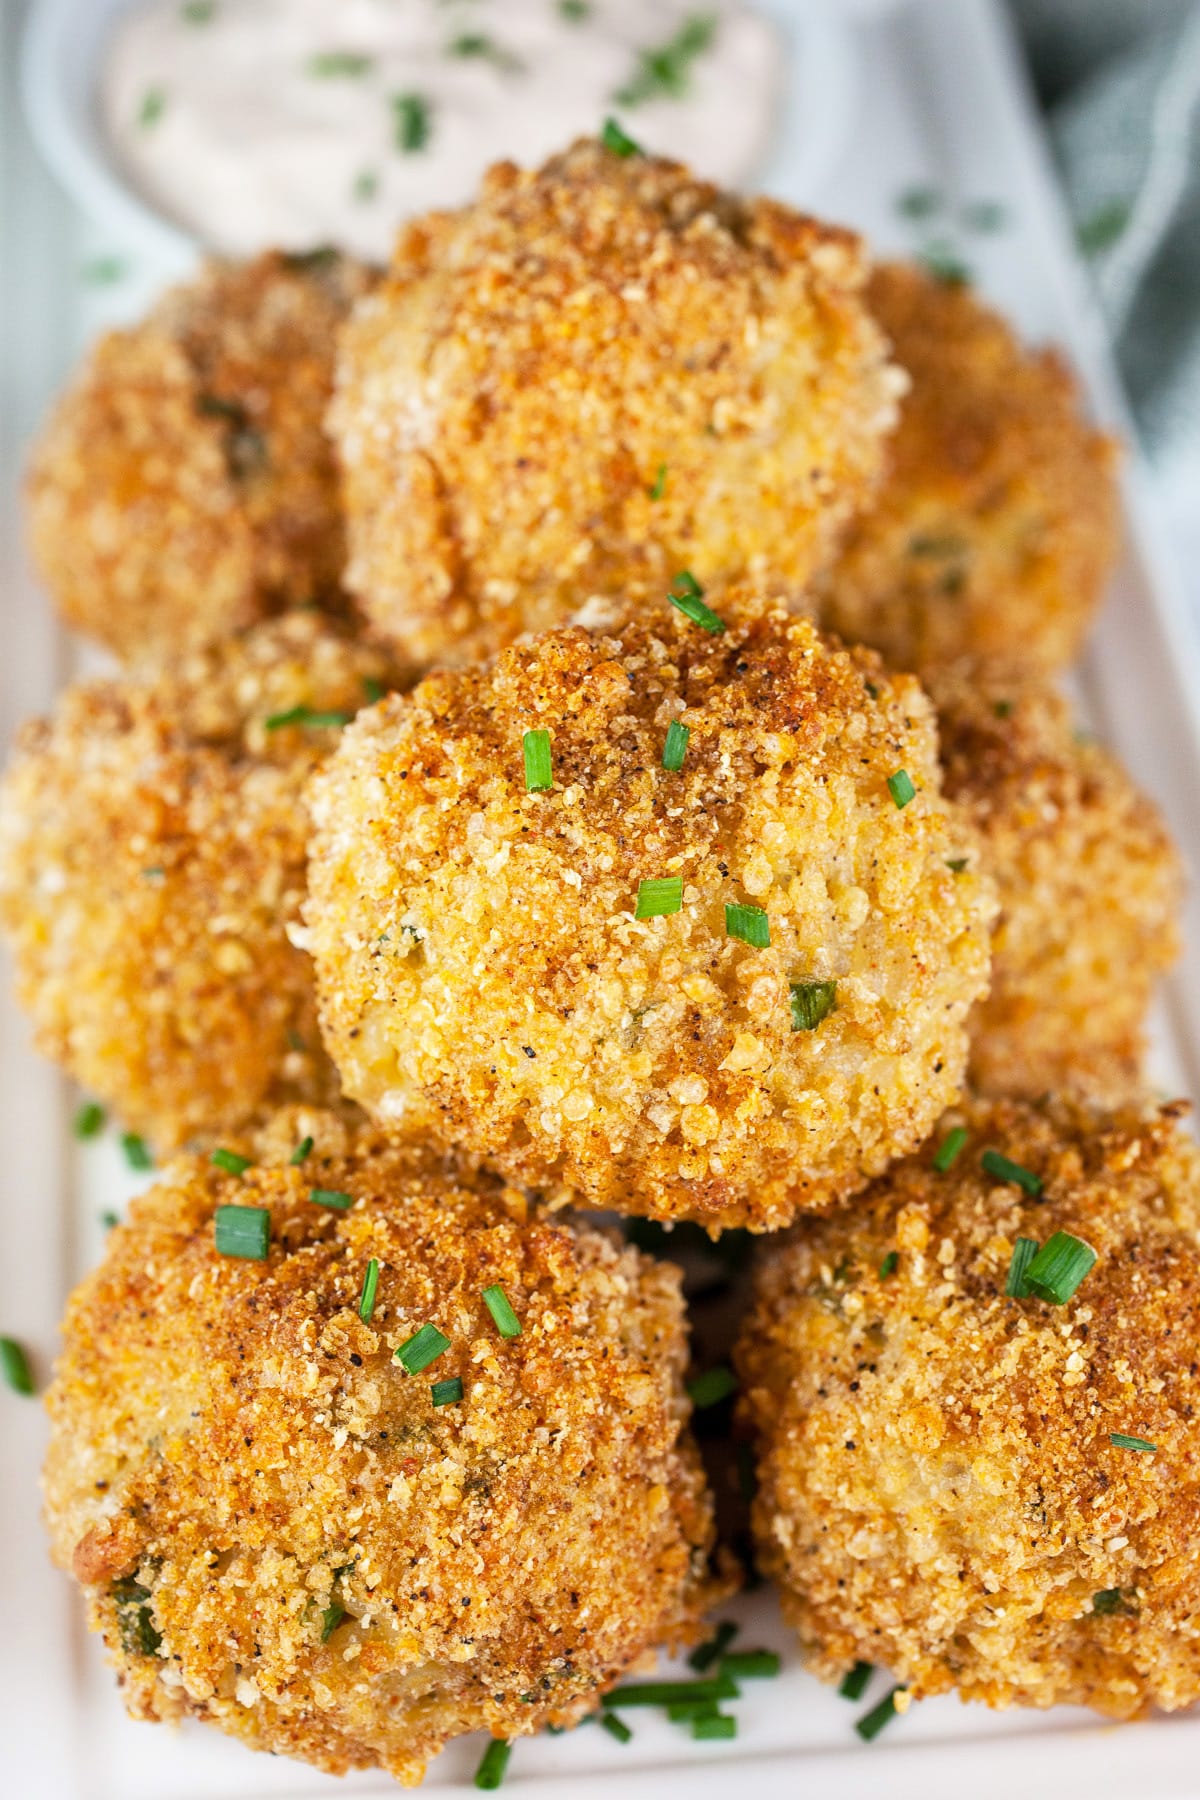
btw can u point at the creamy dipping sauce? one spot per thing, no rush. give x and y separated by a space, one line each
302 122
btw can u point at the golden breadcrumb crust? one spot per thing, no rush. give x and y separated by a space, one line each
183 486
601 372
1090 889
152 851
278 1531
483 976
997 523
938 1490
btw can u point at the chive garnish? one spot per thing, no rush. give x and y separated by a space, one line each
197 12
301 1153
658 897
663 73
751 1665
109 1219
616 1728
811 1001
412 122
242 1231
421 1349
669 1693
901 789
498 1304
1024 1251
373 690
334 1198
705 1655
330 63
660 483
1121 1440
574 10
918 202
307 715
711 1387
539 775
1102 228
1060 1265
478 44
750 924
230 1161
366 1300
682 1712
719 1725
889 1264
89 1120
675 748
154 104
15 1365
136 1153
447 1393
618 141
855 1681
331 1618
1107 1600
945 265
366 186
872 1723
950 1149
490 1772
686 594
956 864
1004 1169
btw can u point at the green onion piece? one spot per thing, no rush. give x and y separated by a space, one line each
498 1304
412 122
331 1618
705 1655
664 71
682 1712
900 787
447 1393
136 1154
888 1265
301 1153
686 594
1024 1251
618 141
15 1365
330 63
242 1231
950 1149
675 748
751 1665
421 1349
750 924
539 776
230 1161
956 864
660 483
720 1725
1060 1265
872 1723
1108 1600
334 1198
89 1120
490 1772
154 104
659 897
1004 1169
616 1728
373 690
812 1001
713 1386
855 1681
306 715
366 1300
1120 1440
668 1693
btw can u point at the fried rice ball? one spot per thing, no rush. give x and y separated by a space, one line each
1090 889
485 977
282 1532
152 854
997 523
939 1490
600 373
184 487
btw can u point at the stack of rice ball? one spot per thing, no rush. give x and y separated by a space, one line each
588 742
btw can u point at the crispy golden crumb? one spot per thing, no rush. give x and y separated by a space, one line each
278 1531
600 373
938 1490
1090 889
184 487
483 976
998 522
152 850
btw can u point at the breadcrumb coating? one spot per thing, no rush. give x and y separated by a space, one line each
183 487
152 865
998 521
279 1532
1090 888
938 1489
602 371
483 976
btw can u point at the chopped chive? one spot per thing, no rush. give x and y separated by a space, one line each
950 1149
490 1772
539 775
946 265
888 1265
230 1161
664 72
366 1300
750 924
618 141
811 1001
751 1665
486 49
1121 1440
331 1618
15 1365
306 715
1107 1600
412 122
668 1693
855 1681
919 202
719 1725
301 1153
1103 227
373 690
421 1349
872 1723
1060 1265
901 789
682 1712
658 897
1004 1169
136 1154
154 104
330 63
242 1231
616 1728
197 12
705 1655
574 10
366 186
498 1304
1024 1251
660 483
334 1198
686 594
956 864
109 1219
675 748
713 1386
89 1120
448 1392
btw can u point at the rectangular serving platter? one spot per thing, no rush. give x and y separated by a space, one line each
941 101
